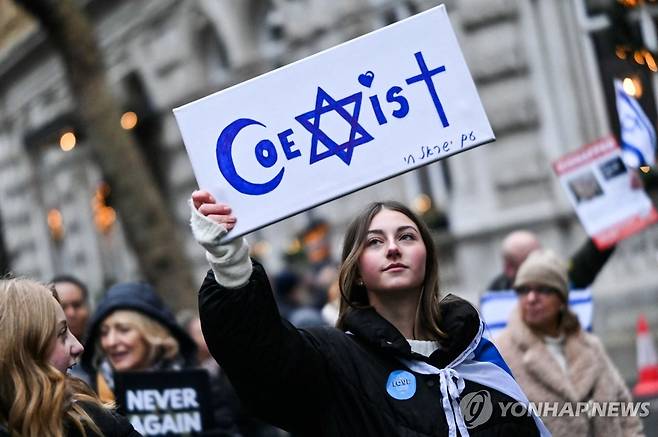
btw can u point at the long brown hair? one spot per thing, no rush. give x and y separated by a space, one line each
36 399
354 295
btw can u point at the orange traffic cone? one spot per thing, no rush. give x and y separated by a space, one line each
647 362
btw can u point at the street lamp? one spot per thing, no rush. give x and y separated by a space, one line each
67 141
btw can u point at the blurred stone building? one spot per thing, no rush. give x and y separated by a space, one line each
544 71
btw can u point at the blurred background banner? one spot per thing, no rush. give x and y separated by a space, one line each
496 307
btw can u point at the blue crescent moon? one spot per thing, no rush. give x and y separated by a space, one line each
227 167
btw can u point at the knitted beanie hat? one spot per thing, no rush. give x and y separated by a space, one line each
544 267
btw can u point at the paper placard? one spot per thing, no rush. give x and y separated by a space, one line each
600 188
166 403
362 112
496 308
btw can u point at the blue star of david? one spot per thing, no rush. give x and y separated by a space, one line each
343 151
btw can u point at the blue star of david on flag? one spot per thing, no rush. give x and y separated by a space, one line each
324 103
638 135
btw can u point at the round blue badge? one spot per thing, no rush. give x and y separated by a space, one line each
401 385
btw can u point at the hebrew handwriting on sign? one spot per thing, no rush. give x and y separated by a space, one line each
431 152
348 108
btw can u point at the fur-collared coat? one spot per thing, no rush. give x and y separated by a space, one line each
591 376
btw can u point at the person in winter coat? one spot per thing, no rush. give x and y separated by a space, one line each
554 360
37 397
402 362
132 329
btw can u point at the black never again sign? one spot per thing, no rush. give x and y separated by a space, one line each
166 403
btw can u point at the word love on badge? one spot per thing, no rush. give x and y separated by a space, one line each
387 107
401 385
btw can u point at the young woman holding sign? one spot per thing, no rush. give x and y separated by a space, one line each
37 398
402 361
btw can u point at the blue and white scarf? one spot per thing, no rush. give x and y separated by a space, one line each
481 363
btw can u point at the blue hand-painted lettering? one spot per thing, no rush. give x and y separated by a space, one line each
426 152
392 96
287 143
426 76
469 137
322 146
227 167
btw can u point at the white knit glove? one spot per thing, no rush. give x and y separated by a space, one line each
230 262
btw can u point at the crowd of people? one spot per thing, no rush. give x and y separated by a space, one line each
365 346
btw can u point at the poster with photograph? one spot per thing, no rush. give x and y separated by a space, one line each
600 187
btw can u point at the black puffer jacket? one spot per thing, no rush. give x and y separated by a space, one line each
324 382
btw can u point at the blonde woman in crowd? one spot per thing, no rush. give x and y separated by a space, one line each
132 329
37 397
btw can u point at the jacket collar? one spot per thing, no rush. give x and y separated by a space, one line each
582 365
367 325
460 322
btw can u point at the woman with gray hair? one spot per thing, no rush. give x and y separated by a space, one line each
558 364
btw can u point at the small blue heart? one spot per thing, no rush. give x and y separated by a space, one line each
366 78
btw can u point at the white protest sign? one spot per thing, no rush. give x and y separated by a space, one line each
496 308
601 190
351 116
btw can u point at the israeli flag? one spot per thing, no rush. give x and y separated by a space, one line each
638 136
496 307
482 363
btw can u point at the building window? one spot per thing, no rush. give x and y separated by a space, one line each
214 56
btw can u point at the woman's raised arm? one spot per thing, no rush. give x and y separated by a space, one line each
278 371
210 222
